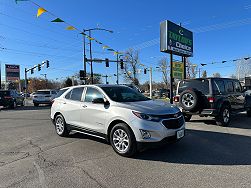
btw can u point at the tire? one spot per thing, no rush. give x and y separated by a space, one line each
13 105
189 100
127 145
187 117
224 117
36 104
60 126
249 113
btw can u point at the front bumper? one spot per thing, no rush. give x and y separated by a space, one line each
148 145
157 131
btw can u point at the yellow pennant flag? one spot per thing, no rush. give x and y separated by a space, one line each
90 38
104 47
70 28
40 11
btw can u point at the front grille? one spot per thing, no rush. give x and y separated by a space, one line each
167 116
173 123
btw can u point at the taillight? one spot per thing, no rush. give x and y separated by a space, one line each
7 97
176 99
211 99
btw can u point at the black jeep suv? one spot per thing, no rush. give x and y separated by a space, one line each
216 97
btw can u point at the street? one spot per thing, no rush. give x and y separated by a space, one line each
32 155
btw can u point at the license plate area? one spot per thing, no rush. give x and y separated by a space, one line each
180 133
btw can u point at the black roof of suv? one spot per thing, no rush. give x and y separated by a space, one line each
215 97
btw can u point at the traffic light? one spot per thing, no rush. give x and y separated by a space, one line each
47 64
39 67
121 64
82 75
32 71
106 62
145 71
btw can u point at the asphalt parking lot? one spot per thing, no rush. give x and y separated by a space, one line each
32 155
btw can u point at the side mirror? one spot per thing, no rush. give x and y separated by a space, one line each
98 101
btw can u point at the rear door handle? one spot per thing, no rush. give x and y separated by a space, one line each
84 106
64 102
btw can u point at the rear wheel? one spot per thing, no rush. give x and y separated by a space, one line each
224 117
60 126
122 140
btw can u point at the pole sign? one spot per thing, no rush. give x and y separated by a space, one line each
12 73
178 70
175 39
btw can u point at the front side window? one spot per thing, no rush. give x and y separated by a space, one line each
76 94
92 93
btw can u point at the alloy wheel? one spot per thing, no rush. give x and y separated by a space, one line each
59 125
120 140
188 99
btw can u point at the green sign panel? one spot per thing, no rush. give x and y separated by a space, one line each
178 70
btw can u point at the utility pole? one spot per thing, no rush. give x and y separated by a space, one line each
25 83
84 57
150 81
117 68
91 56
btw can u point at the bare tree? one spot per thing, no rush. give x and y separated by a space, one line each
204 74
163 68
191 69
131 66
216 75
243 68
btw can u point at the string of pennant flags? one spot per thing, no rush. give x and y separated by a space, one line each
69 27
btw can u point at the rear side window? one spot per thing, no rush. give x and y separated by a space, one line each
75 94
201 85
229 87
218 87
237 86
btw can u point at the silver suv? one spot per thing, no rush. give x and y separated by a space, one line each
122 116
44 97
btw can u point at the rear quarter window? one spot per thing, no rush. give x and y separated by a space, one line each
201 85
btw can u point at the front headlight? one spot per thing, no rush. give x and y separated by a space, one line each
146 116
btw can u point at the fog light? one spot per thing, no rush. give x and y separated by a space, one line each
145 134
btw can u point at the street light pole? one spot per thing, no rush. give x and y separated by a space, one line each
117 68
151 76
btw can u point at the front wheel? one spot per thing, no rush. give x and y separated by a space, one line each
60 126
224 116
122 140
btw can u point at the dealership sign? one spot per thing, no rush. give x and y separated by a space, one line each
12 72
175 39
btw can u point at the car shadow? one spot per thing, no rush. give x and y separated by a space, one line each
238 121
203 148
87 137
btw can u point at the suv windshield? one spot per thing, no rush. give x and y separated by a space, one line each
201 85
124 94
43 92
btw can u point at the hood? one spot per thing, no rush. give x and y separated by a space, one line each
155 107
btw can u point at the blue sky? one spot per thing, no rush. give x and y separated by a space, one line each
221 32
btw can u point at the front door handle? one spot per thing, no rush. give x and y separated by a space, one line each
84 106
64 102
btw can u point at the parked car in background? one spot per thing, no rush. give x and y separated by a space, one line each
216 97
10 99
44 97
128 120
